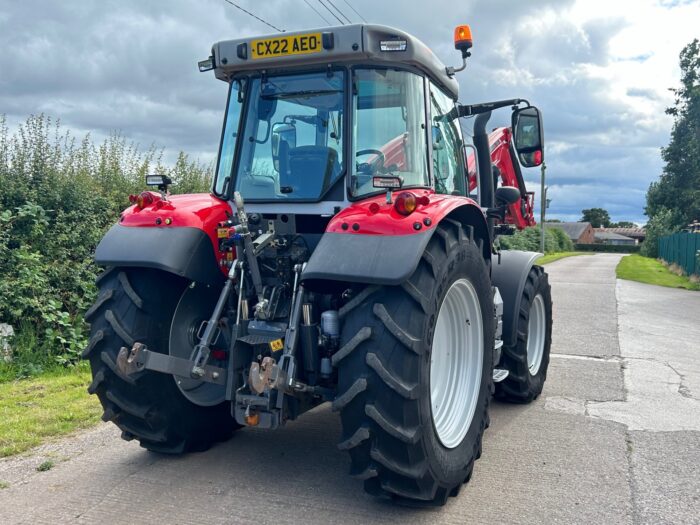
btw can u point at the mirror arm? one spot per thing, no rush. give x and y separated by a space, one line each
464 110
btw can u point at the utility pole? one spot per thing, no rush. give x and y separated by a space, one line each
543 206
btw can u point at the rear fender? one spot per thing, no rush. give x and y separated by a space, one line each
177 236
369 242
509 273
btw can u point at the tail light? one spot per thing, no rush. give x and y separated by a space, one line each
144 199
405 203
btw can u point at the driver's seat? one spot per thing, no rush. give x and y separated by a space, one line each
311 169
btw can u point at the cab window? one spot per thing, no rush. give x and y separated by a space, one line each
446 140
389 129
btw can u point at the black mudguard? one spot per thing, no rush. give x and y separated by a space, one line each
187 252
371 259
509 272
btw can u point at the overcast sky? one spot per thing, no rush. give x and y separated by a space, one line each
599 70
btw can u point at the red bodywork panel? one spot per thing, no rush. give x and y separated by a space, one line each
196 210
373 216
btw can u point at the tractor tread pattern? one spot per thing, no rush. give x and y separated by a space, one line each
379 389
410 342
362 335
521 386
360 435
407 435
351 393
150 409
102 299
393 382
119 329
356 301
129 290
97 337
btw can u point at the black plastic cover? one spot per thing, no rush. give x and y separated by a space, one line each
187 252
509 273
372 259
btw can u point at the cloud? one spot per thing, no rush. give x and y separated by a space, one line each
591 66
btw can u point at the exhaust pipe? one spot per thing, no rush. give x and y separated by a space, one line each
483 155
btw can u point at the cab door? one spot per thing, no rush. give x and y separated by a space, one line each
447 168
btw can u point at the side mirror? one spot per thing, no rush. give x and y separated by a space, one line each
286 133
528 136
438 139
267 104
507 195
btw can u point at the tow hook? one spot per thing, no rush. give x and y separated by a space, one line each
264 376
128 361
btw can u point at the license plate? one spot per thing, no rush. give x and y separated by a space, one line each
286 45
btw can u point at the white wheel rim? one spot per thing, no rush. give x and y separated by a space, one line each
456 363
535 335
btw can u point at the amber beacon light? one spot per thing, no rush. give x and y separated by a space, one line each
463 37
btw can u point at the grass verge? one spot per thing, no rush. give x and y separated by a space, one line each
646 270
50 405
551 257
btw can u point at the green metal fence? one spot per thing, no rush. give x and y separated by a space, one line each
682 249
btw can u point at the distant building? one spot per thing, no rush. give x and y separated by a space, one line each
605 236
578 232
638 234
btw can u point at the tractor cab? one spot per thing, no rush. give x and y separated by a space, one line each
314 118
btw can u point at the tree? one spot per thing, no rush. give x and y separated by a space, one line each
675 197
598 217
623 224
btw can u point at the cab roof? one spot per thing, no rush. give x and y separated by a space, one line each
349 44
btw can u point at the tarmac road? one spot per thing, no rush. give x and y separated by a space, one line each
615 438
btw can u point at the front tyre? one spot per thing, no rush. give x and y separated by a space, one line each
414 374
528 359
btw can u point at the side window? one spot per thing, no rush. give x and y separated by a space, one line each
389 129
228 141
448 165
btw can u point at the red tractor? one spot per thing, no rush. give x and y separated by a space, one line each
361 269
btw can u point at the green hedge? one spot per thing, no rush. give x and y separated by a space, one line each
607 248
58 195
529 239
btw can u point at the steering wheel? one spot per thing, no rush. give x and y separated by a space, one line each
370 168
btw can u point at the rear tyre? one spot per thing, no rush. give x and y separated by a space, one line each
138 305
414 374
528 359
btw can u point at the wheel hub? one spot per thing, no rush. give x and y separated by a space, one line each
536 335
195 305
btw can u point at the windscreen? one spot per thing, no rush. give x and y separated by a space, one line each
292 140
